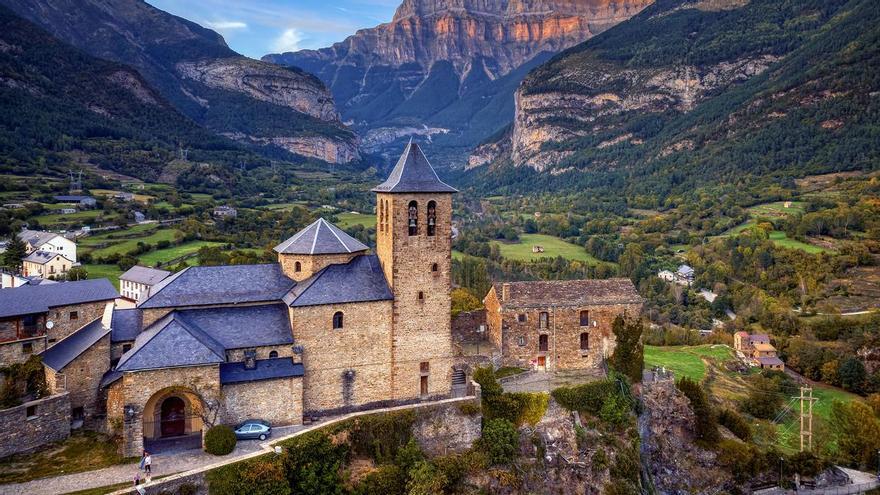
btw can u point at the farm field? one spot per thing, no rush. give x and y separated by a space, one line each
111 272
121 245
140 198
175 252
553 247
685 360
64 219
346 220
782 240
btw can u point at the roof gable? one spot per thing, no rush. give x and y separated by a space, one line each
413 173
30 299
360 280
126 324
43 257
171 343
321 237
213 285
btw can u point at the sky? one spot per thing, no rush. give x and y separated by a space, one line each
257 27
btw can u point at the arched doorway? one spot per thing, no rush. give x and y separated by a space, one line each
172 417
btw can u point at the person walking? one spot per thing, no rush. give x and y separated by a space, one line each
137 484
148 463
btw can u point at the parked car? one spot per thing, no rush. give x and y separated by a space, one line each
253 429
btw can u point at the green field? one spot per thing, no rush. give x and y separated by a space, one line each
781 239
778 209
128 243
165 255
553 247
346 220
84 217
111 272
686 360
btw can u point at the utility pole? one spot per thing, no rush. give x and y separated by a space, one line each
807 399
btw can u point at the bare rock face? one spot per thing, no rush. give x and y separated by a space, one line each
606 90
446 430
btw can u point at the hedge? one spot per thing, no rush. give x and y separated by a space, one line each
220 440
263 475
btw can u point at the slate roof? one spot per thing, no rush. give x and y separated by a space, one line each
562 293
30 299
759 337
36 237
359 280
144 275
42 257
202 336
413 173
685 270
770 361
321 237
266 369
207 285
72 198
109 377
171 343
66 350
125 325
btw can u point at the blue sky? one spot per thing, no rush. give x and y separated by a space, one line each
257 27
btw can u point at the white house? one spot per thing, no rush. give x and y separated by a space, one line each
666 275
36 240
139 280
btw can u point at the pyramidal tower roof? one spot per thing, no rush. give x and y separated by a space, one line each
413 174
321 237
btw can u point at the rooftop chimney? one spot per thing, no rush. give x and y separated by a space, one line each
505 292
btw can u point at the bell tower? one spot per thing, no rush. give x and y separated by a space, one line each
414 245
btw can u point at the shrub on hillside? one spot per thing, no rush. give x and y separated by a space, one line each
518 408
737 424
384 480
706 422
313 464
500 441
220 440
381 435
426 479
615 410
588 397
259 476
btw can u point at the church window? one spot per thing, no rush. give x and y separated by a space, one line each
297 267
585 341
521 340
421 296
521 317
434 267
413 220
381 216
585 318
273 354
337 319
432 217
543 320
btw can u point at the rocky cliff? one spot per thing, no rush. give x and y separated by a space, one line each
689 92
451 65
194 69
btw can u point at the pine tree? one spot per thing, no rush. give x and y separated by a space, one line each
15 251
629 354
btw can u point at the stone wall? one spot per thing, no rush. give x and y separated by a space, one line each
466 326
279 401
346 367
81 379
309 264
421 319
520 339
64 322
237 355
18 351
493 317
49 422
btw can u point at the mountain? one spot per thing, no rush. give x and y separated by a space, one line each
204 79
448 68
695 92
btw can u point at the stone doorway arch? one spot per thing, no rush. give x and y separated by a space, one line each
172 412
172 417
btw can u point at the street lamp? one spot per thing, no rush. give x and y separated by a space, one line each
780 471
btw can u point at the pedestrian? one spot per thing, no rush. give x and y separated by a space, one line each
137 484
148 461
143 458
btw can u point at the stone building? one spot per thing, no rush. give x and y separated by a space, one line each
558 325
757 350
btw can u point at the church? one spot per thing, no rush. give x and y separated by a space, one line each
329 328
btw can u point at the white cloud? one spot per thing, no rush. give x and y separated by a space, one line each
288 41
226 25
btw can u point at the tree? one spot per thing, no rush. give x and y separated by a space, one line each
705 419
858 432
852 374
463 301
15 251
500 440
764 399
629 354
77 273
631 259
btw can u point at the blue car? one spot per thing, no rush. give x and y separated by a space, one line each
253 429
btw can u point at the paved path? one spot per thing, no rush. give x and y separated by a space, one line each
545 381
163 465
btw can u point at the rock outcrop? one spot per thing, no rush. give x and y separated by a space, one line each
194 69
451 64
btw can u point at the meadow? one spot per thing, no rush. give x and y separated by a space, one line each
553 247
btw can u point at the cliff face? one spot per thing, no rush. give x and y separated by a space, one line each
692 91
451 65
194 69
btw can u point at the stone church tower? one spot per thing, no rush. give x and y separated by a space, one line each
414 245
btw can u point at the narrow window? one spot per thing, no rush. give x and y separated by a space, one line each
423 385
126 348
543 320
74 315
543 343
521 317
434 267
424 366
585 341
27 348
521 341
31 412
421 296
432 217
585 318
413 221
273 354
386 215
381 216
297 267
337 319
77 414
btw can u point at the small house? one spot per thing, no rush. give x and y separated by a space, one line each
225 211
684 275
537 249
68 211
138 281
82 201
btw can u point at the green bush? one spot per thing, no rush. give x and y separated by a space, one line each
500 440
469 408
219 440
530 407
387 479
313 463
737 424
426 479
588 397
704 416
518 408
259 476
379 436
615 410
